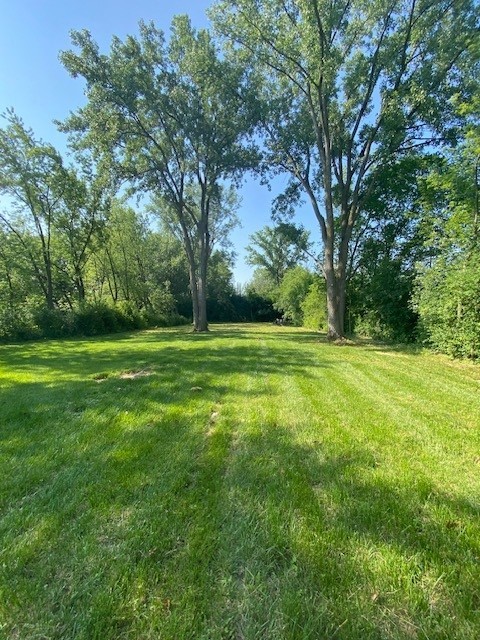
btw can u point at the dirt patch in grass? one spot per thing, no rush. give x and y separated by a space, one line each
100 377
135 373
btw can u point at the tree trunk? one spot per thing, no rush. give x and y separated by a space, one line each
197 264
79 285
112 282
202 299
202 283
202 308
336 279
194 294
335 304
336 272
49 293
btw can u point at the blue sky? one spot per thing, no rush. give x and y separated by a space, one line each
34 83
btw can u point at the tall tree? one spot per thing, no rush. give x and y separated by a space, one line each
277 249
172 119
53 210
120 260
16 283
349 85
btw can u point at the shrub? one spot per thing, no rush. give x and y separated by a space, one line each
314 307
129 317
379 303
292 292
447 299
27 321
95 319
18 323
54 323
172 320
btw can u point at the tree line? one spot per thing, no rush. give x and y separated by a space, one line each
370 109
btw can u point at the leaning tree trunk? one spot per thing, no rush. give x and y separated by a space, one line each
79 284
49 283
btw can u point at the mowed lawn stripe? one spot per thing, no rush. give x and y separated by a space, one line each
362 397
381 508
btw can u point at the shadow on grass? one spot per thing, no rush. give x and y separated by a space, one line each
315 543
347 551
79 356
295 335
147 520
188 360
88 402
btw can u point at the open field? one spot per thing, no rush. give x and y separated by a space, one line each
252 483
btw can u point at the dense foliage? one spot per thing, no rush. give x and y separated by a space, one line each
74 260
448 287
347 88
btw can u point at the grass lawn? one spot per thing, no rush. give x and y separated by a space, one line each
252 483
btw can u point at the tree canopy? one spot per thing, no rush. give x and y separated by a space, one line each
277 249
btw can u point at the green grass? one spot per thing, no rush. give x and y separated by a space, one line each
253 483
